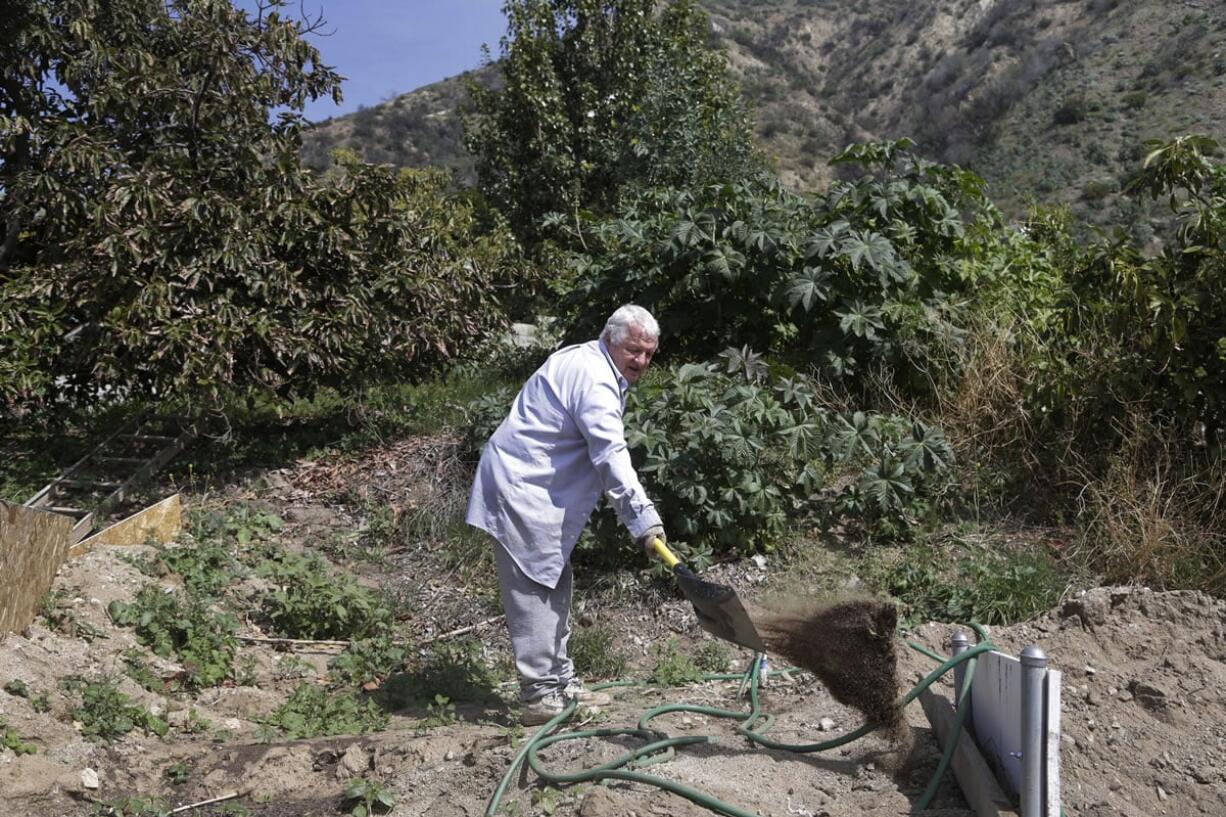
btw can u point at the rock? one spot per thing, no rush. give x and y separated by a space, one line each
759 560
89 779
354 763
1205 775
312 516
825 724
1162 795
600 802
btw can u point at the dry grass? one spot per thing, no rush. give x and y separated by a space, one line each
1157 515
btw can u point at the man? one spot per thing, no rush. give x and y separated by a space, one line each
541 474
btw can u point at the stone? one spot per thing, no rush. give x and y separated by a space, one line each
354 763
89 779
825 724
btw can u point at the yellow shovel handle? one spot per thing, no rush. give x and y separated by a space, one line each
664 553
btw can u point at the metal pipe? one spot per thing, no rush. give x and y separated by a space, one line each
958 644
1034 673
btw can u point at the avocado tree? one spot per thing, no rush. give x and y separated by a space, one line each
161 236
598 95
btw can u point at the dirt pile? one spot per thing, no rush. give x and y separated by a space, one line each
1144 698
848 645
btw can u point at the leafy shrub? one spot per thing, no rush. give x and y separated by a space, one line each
132 806
713 656
312 711
1071 111
203 640
731 458
859 278
1133 100
310 601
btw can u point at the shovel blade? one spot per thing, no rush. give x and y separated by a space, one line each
719 610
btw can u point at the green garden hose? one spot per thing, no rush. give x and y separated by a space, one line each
658 747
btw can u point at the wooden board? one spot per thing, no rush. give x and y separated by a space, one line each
33 545
158 523
974 776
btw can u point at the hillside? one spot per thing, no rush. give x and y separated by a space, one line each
1049 101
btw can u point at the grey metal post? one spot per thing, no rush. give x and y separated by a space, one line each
958 644
1034 671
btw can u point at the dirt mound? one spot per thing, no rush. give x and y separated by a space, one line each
1144 698
848 645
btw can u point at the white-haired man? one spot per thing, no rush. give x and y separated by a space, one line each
541 474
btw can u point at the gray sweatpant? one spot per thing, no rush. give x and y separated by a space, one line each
539 622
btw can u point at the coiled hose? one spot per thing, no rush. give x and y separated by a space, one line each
658 747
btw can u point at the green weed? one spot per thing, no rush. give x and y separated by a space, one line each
981 586
106 714
311 712
203 640
364 797
134 806
595 654
673 667
713 656
440 712
365 660
9 739
18 688
59 616
312 602
177 773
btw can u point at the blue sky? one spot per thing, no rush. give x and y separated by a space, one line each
388 47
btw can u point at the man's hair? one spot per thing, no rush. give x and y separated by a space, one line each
617 327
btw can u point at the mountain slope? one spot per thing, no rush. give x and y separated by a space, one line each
1050 101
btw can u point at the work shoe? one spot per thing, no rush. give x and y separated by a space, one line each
534 713
586 697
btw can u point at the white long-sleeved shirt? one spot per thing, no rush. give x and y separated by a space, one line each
542 472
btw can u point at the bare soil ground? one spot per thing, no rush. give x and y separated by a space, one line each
1144 699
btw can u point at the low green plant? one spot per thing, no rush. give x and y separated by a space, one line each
137 668
980 586
312 602
439 712
363 797
18 688
456 670
206 566
546 799
312 711
9 739
672 667
106 714
202 639
41 702
133 806
195 723
178 772
59 616
713 656
594 651
367 660
243 524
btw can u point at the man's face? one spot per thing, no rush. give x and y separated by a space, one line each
633 354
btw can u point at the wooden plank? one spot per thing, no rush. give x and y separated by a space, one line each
160 522
1051 740
974 776
33 545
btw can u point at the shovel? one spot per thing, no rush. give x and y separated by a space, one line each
719 610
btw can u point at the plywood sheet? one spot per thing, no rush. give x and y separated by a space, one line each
158 523
976 780
33 545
